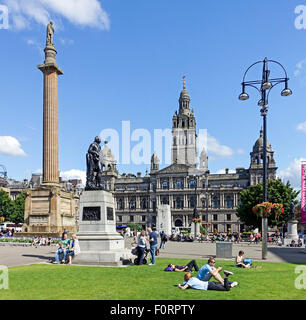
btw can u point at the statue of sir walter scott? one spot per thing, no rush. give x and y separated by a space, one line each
50 32
93 172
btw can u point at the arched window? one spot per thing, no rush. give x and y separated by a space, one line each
132 204
165 184
192 184
120 204
179 184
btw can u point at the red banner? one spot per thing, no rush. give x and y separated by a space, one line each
303 194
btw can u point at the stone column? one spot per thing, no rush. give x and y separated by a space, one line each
50 117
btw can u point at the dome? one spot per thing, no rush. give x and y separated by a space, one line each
259 143
154 158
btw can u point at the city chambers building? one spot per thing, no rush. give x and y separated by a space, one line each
183 185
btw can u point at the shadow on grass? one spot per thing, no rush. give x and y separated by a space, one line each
291 255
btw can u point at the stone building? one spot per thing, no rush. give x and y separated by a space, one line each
182 185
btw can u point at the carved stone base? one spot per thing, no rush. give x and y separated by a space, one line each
48 210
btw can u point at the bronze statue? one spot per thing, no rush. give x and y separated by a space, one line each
291 217
50 32
94 170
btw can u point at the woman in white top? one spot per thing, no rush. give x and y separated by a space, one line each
141 246
74 248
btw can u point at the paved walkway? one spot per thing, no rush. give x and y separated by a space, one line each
12 256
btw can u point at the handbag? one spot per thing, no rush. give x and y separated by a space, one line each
157 252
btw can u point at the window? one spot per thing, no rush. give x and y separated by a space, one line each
228 217
229 202
228 227
119 218
131 218
132 204
165 200
215 217
120 204
143 218
203 203
192 202
215 228
165 184
179 184
216 202
192 184
179 203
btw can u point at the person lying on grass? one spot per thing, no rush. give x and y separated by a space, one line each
208 270
195 283
190 265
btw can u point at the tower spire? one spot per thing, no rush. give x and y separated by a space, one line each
184 82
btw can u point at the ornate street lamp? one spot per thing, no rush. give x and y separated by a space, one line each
264 87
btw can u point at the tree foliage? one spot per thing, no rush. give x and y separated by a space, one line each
277 192
12 210
134 226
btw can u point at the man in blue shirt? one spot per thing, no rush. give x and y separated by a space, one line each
153 245
195 283
209 270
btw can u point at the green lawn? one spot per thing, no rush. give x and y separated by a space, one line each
53 282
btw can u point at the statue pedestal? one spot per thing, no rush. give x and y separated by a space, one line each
163 221
292 233
48 210
195 229
100 244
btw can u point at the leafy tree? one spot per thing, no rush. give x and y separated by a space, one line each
134 226
6 205
17 215
277 193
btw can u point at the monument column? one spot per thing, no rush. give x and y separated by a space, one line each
49 209
50 114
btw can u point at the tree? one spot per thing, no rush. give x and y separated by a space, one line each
6 205
277 193
134 226
17 215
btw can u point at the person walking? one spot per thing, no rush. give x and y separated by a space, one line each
153 245
163 240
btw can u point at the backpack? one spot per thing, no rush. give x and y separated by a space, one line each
248 261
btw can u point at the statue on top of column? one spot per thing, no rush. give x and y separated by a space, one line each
50 32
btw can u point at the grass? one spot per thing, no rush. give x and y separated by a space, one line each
274 281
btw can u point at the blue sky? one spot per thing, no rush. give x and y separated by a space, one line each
124 60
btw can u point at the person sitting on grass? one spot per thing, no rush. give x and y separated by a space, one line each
242 262
208 270
74 248
63 248
187 268
195 283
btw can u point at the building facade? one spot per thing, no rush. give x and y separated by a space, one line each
183 185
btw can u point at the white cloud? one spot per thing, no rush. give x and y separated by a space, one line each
79 12
213 146
240 151
74 174
10 146
301 127
292 173
299 68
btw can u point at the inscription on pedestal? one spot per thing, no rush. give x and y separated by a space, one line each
110 213
91 214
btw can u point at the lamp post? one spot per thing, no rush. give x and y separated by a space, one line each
264 87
